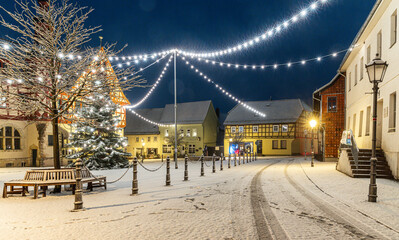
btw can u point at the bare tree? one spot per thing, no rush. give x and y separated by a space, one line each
180 140
50 70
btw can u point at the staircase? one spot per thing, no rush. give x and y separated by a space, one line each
363 168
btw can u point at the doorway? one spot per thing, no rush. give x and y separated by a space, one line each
259 147
34 157
380 111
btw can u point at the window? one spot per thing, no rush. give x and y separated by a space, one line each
233 129
394 27
149 139
284 128
188 133
10 139
50 140
355 74
361 68
142 139
137 139
167 148
276 128
360 123
166 132
349 81
368 54
331 104
275 144
349 123
368 119
181 132
379 44
194 132
3 103
241 129
191 149
155 139
354 124
392 112
255 129
283 144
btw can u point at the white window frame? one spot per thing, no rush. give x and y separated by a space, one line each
233 129
194 132
274 128
240 129
188 133
282 128
166 132
394 28
255 129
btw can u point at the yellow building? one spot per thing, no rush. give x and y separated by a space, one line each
281 132
197 126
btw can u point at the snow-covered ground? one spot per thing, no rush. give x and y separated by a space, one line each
306 203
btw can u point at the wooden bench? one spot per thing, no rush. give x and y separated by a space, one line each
44 178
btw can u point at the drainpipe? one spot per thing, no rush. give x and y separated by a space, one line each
344 98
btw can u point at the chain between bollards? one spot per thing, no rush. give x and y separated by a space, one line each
221 162
229 162
186 168
202 166
135 186
78 187
167 171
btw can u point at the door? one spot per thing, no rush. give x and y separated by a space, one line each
380 111
259 146
34 157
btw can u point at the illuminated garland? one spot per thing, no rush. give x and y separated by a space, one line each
265 66
150 121
153 87
224 91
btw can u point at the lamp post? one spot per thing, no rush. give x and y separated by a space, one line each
376 70
313 124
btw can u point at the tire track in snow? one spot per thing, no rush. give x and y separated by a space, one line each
267 225
333 212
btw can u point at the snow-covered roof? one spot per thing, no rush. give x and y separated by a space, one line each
277 111
137 126
187 113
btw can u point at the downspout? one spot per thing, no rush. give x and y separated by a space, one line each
344 98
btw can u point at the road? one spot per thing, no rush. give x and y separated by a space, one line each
272 198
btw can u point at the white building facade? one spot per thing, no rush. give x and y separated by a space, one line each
377 36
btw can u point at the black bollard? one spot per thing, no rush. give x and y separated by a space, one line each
135 186
229 162
239 159
221 162
186 168
78 187
162 157
202 166
248 157
256 156
213 163
235 160
142 158
243 158
167 171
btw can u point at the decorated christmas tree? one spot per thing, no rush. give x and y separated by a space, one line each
95 136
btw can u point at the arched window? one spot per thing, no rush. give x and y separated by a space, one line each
10 139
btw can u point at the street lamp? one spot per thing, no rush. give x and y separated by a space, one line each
313 124
376 70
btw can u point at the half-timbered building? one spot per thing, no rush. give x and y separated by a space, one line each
281 132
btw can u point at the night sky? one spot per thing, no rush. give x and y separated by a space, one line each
205 25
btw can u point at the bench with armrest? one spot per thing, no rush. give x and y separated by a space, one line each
53 177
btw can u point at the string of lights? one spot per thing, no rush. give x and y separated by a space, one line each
153 86
266 66
265 35
223 90
268 34
150 121
128 61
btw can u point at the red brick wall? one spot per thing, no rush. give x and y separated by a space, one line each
333 121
